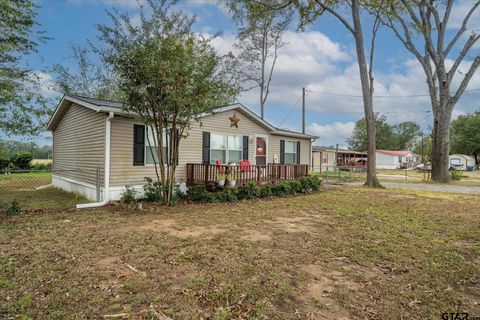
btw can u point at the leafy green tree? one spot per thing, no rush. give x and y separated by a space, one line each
22 107
9 147
168 74
401 136
466 135
404 135
423 147
90 77
384 135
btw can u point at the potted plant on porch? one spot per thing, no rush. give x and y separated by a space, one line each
221 179
230 180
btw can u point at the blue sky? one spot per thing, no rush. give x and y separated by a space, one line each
321 58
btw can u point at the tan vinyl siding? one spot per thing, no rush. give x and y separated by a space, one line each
274 148
79 141
122 171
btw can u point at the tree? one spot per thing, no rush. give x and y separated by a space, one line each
421 26
22 107
92 77
401 136
167 74
423 147
259 40
404 134
466 135
383 135
309 11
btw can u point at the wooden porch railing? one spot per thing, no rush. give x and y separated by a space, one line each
208 173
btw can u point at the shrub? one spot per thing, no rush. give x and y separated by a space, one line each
22 160
456 175
4 163
310 183
152 190
266 190
281 189
129 195
11 207
42 166
198 192
248 191
295 186
230 194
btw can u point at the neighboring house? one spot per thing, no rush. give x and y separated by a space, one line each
325 157
98 148
461 162
396 159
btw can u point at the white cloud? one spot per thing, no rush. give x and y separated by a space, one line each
314 61
333 133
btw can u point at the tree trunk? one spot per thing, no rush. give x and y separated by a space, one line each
441 146
372 180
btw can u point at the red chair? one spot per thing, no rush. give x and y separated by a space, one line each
219 166
246 167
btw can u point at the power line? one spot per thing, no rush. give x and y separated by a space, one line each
380 96
289 112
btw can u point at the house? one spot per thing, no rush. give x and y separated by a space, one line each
461 162
395 159
324 157
98 148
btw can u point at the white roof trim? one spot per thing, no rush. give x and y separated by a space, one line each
60 105
244 109
272 130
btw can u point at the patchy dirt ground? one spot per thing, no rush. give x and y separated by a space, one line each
345 253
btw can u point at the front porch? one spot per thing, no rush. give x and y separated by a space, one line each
259 174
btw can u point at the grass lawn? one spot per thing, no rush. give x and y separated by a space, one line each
21 187
345 253
25 181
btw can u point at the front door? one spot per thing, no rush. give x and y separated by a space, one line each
261 151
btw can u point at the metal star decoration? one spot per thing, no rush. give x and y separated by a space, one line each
234 121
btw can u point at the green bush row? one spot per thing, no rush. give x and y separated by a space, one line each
199 193
19 160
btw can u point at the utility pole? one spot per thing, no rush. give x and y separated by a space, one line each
303 110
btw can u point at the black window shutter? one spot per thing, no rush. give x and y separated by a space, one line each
298 152
245 147
206 148
174 139
138 145
282 151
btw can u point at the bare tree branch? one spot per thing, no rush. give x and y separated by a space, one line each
328 8
462 29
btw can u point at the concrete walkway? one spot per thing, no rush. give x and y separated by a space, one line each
425 186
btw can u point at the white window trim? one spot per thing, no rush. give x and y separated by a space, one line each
225 134
146 146
295 151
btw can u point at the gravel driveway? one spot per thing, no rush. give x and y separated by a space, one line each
426 186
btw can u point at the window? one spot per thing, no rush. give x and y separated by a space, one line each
455 161
218 148
151 156
325 157
400 159
290 152
235 148
226 148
